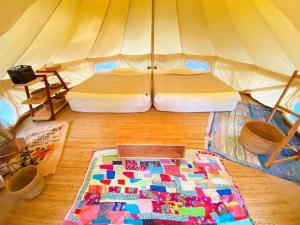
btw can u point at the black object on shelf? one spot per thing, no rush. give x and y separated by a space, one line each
21 74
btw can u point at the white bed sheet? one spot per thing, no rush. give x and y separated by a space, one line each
205 102
112 93
117 103
193 93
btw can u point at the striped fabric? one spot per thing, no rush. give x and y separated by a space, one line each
223 139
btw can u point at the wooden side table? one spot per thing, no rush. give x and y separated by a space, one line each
43 113
151 140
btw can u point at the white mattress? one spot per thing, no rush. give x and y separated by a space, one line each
112 93
193 93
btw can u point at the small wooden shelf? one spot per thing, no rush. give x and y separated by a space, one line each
32 101
36 80
46 73
41 112
44 114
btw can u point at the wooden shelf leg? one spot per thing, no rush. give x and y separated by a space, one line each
49 97
271 114
282 95
61 80
295 157
28 96
283 143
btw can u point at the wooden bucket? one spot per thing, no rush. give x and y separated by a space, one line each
260 137
27 183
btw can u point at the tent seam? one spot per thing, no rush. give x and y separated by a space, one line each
179 31
273 36
253 72
129 5
107 9
33 40
210 37
285 14
207 27
237 33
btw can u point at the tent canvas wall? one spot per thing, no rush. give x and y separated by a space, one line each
252 45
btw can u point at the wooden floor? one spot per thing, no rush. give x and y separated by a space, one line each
267 204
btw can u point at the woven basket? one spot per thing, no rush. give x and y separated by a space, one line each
27 183
260 137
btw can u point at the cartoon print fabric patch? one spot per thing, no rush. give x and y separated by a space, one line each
194 190
45 145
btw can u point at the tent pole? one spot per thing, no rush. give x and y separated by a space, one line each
152 49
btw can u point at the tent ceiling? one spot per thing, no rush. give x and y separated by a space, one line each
265 33
10 12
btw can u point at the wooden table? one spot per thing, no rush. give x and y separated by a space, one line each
154 140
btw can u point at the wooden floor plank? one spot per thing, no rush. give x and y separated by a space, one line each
91 131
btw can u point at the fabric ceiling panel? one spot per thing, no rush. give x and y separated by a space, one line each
14 42
290 9
259 42
236 75
195 39
137 37
270 97
109 41
51 36
11 11
264 79
83 31
166 34
224 37
282 29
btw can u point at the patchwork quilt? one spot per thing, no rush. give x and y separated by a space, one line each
193 190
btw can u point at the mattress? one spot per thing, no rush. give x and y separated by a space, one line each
112 93
193 93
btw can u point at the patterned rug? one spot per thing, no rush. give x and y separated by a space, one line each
223 138
45 145
194 190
